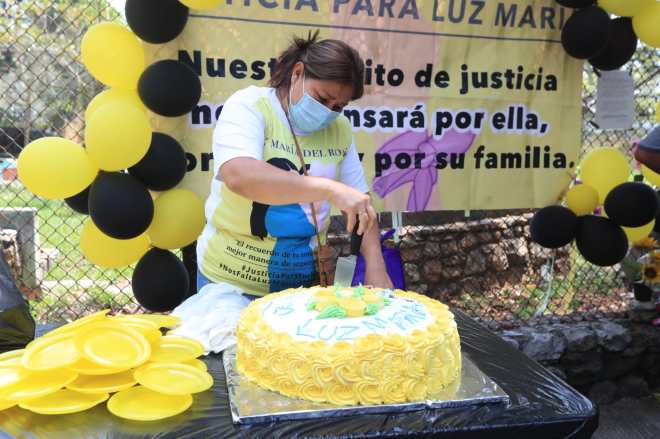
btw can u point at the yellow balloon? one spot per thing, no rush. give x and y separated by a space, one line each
646 24
178 219
55 168
108 252
582 199
113 55
114 95
634 234
650 176
603 169
201 4
624 8
117 136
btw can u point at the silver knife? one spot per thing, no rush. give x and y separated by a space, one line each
346 265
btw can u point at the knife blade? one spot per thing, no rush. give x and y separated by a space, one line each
346 265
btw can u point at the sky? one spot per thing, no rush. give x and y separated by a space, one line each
118 4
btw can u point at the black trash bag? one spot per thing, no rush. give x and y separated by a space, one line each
16 323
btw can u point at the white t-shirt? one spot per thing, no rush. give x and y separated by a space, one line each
268 248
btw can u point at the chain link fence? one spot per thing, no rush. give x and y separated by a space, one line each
44 90
491 270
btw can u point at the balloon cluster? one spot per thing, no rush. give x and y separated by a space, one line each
604 211
609 43
125 176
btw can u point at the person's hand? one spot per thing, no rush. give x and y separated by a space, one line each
377 277
354 204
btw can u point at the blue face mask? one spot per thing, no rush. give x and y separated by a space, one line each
308 114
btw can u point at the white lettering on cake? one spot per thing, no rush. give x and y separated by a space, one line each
289 314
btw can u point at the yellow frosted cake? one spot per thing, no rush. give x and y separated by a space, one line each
349 346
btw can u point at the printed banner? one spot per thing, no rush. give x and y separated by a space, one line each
469 104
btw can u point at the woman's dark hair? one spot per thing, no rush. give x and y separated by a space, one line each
330 60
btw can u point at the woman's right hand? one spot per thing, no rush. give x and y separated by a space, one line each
354 204
254 179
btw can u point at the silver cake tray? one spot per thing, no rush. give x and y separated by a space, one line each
250 404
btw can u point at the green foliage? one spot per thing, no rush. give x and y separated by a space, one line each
43 84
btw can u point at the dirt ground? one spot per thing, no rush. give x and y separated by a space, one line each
630 419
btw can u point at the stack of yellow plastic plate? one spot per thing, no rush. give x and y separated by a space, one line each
79 366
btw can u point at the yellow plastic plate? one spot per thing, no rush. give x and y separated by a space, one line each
196 363
86 367
145 327
104 383
199 364
6 404
113 346
12 357
38 384
173 378
141 404
10 374
171 349
63 401
52 352
76 324
161 320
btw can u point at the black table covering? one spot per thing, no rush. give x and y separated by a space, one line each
542 406
17 326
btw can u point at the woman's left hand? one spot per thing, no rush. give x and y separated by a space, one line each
377 277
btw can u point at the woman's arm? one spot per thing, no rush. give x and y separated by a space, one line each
375 271
261 182
352 173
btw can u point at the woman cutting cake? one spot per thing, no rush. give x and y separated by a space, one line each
284 155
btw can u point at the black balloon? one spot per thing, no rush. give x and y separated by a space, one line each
601 241
586 32
164 165
576 3
631 204
79 202
656 227
620 46
120 206
642 292
160 281
170 88
156 21
553 226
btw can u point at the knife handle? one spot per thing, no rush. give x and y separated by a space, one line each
356 240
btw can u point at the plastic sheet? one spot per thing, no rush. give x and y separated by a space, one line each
250 404
541 406
16 323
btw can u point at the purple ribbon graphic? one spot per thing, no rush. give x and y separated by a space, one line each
424 177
